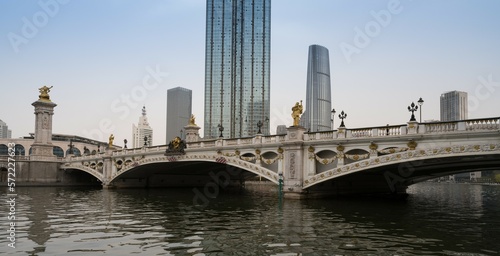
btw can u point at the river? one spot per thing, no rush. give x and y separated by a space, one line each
436 219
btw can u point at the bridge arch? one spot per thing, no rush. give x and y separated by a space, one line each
81 167
414 166
234 161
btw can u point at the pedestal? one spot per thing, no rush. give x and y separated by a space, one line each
192 133
412 127
42 148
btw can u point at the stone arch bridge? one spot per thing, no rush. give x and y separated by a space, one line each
383 159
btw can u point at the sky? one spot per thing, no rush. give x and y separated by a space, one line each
107 58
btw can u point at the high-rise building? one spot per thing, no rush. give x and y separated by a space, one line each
179 102
141 131
237 67
453 106
5 133
318 107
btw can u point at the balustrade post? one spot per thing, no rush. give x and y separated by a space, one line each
461 126
341 132
412 127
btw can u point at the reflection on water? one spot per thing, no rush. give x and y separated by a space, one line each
436 219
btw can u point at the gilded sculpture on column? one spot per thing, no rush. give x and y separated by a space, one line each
296 112
110 142
44 93
192 120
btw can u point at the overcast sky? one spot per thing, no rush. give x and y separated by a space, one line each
106 59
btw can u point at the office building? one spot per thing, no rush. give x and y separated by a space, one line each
237 67
179 102
5 133
317 113
453 106
142 134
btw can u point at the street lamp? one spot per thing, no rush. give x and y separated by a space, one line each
420 103
145 141
333 116
260 124
412 108
342 116
221 129
125 143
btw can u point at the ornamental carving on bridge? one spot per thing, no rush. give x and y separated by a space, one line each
176 147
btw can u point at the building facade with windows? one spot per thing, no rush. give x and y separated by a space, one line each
5 133
453 106
142 133
179 102
237 67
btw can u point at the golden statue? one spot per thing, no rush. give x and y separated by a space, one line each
191 120
110 142
296 112
44 93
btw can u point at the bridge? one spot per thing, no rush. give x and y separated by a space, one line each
384 159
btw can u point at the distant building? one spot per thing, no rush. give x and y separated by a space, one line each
179 102
237 67
317 113
453 106
281 129
5 133
141 131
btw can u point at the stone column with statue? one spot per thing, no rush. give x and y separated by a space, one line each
293 173
42 148
192 130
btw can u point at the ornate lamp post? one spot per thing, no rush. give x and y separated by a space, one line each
420 103
259 125
221 129
333 116
412 108
145 141
342 116
125 143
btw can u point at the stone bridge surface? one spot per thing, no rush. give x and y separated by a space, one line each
368 160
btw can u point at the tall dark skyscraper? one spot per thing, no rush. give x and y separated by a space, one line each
237 67
318 95
179 102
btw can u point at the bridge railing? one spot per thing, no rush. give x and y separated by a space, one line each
480 124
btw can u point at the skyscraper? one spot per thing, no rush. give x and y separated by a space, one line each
318 93
179 102
142 130
237 66
4 130
453 106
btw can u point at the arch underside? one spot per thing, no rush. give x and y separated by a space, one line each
409 169
83 168
194 166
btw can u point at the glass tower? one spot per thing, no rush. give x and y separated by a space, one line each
453 106
237 66
318 107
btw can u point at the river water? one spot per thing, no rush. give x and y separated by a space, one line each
436 219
